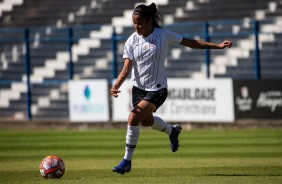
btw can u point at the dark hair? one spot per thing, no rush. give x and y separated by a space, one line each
147 12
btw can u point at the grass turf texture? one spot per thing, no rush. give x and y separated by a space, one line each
205 156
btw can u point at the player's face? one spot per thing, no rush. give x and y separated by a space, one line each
141 26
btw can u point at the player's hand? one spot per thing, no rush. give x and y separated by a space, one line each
225 44
114 91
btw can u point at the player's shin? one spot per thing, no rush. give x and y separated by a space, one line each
161 125
132 137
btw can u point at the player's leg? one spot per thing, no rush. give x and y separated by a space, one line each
138 114
158 124
141 111
158 98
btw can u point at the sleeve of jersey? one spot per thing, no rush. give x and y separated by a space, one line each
128 50
172 37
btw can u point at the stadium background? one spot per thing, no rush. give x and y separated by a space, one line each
44 44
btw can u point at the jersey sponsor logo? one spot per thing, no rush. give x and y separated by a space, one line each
145 47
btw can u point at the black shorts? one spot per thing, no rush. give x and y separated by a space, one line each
155 97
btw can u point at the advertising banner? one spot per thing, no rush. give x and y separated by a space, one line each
88 100
258 99
122 105
188 101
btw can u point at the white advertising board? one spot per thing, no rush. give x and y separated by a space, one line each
122 105
188 100
88 100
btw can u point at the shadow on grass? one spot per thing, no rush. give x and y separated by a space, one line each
149 175
244 175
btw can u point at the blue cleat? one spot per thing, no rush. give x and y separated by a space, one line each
174 143
123 167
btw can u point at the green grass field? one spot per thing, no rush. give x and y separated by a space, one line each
205 156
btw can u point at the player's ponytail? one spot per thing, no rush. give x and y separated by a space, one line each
157 19
147 12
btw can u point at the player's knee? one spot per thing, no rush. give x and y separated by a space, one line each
146 123
133 119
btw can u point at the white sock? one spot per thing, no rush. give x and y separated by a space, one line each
161 126
132 137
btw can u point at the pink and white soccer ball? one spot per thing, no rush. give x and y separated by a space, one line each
52 167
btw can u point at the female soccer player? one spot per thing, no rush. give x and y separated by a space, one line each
144 55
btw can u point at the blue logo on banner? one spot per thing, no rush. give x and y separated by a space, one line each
88 107
87 92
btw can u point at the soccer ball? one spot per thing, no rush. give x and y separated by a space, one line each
52 167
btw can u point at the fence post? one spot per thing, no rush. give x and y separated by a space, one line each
207 51
114 51
27 71
257 51
70 42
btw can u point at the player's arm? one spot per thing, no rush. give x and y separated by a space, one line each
200 44
121 77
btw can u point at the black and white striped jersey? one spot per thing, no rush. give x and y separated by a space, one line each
148 55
